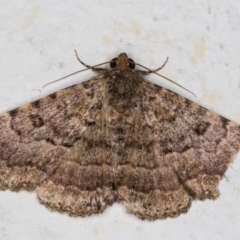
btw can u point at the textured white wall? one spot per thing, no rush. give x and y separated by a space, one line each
202 40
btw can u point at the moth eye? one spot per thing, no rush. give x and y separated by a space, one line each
131 63
113 63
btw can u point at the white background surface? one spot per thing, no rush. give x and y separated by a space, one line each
202 40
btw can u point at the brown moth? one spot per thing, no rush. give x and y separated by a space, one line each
116 138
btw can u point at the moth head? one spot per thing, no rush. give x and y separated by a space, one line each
122 62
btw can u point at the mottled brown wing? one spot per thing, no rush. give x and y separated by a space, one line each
42 146
183 153
86 146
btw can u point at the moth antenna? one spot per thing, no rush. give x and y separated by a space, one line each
88 67
154 71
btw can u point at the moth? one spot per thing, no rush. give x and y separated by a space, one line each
116 138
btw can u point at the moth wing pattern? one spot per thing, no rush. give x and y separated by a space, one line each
191 148
37 149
